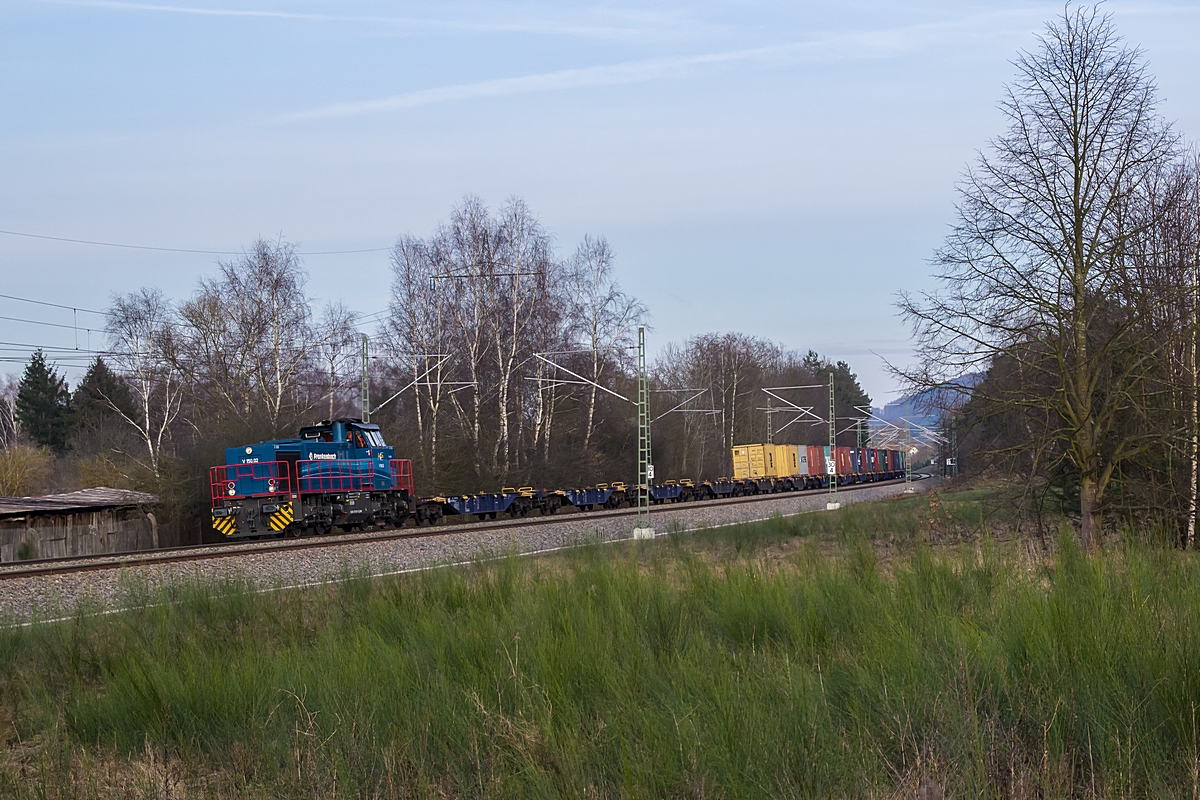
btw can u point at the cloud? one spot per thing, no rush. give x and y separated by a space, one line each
862 45
401 22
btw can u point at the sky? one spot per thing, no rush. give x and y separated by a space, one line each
782 169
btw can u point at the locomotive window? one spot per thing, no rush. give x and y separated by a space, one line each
376 438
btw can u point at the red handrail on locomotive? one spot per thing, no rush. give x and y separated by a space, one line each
402 474
225 478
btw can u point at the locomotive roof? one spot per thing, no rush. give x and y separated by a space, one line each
358 423
308 431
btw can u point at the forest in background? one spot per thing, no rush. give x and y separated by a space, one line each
499 362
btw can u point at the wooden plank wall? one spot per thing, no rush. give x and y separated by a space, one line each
107 530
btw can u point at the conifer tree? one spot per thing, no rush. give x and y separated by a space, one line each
101 396
44 404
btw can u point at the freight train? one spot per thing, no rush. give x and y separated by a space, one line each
341 475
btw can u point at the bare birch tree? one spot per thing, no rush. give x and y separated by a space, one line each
142 336
467 254
248 334
336 347
417 335
604 318
10 426
523 267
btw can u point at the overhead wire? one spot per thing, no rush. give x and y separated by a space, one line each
47 324
180 249
52 305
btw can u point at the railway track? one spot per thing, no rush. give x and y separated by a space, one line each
221 550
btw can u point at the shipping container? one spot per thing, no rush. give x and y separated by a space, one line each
845 462
748 461
802 457
751 461
816 461
783 460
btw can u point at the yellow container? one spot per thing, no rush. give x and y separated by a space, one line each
766 461
748 461
782 460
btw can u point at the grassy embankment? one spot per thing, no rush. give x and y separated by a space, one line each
779 659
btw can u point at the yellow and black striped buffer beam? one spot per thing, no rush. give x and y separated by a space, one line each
281 518
224 525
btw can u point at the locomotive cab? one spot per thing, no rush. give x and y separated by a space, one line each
356 435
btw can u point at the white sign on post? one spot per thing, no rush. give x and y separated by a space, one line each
830 468
649 472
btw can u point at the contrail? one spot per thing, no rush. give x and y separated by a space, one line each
405 22
876 44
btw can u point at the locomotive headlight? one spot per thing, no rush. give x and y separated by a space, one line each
231 488
270 486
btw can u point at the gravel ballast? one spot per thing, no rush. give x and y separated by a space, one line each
53 596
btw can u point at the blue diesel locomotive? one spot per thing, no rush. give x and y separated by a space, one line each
337 474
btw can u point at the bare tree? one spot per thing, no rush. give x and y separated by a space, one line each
466 253
216 356
10 426
142 335
417 334
471 305
603 317
517 286
1033 263
248 335
1165 261
549 333
336 346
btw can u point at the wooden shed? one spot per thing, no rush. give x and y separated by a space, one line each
86 522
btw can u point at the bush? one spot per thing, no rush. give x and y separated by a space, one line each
24 470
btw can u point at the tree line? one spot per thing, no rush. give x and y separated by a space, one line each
1071 281
498 362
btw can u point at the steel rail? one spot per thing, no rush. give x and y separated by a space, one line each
217 550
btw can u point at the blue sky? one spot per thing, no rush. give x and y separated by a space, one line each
782 169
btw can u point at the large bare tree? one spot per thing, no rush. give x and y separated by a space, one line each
417 335
337 347
1034 269
603 317
143 337
248 335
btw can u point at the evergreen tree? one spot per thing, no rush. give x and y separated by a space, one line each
98 393
848 395
44 404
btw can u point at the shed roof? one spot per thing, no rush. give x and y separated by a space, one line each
83 500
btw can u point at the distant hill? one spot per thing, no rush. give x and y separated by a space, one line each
925 408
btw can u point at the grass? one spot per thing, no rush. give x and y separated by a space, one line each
782 659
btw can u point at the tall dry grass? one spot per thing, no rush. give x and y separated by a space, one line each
683 668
